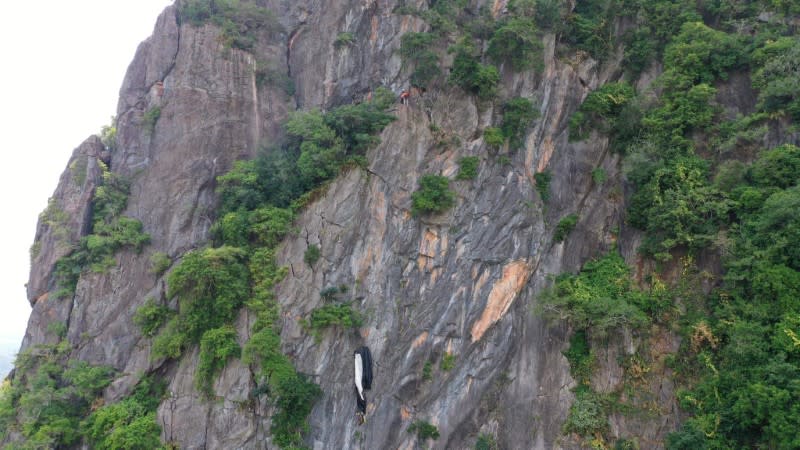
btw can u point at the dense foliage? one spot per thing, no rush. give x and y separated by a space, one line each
416 49
565 227
517 41
424 430
210 285
746 367
600 302
468 168
151 316
602 298
433 196
319 145
258 201
340 315
518 113
699 181
130 423
475 36
110 233
470 74
239 20
50 396
702 185
610 109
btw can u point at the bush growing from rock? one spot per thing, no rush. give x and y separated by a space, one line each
434 195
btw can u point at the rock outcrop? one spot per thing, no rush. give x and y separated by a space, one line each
462 283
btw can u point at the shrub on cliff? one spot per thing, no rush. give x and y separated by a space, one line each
239 20
517 41
416 50
468 168
434 195
216 347
518 113
603 110
600 299
131 423
469 74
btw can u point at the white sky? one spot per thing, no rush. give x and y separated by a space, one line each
63 65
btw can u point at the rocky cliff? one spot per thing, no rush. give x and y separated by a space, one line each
461 285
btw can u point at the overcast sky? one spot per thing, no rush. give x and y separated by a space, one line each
63 65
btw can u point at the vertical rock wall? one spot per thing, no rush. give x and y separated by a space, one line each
463 283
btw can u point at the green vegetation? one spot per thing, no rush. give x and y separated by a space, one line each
448 362
660 207
150 118
108 135
580 357
486 442
468 168
331 293
598 302
333 315
696 191
494 137
292 392
295 400
210 285
424 430
311 255
599 176
700 183
469 74
416 50
565 227
600 299
611 109
543 184
130 423
319 146
345 39
56 219
744 358
50 400
427 371
778 73
58 329
434 195
78 169
268 73
49 396
518 113
258 202
151 316
159 263
588 415
517 41
110 233
590 27
513 39
216 347
239 20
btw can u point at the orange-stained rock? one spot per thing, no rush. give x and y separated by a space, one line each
502 295
420 340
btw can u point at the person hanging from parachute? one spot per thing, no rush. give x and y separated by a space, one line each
363 380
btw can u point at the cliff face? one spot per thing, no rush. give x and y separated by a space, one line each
464 282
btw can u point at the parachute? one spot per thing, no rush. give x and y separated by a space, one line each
362 376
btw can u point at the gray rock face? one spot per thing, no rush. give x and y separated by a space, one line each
463 283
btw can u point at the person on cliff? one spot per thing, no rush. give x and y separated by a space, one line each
404 97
